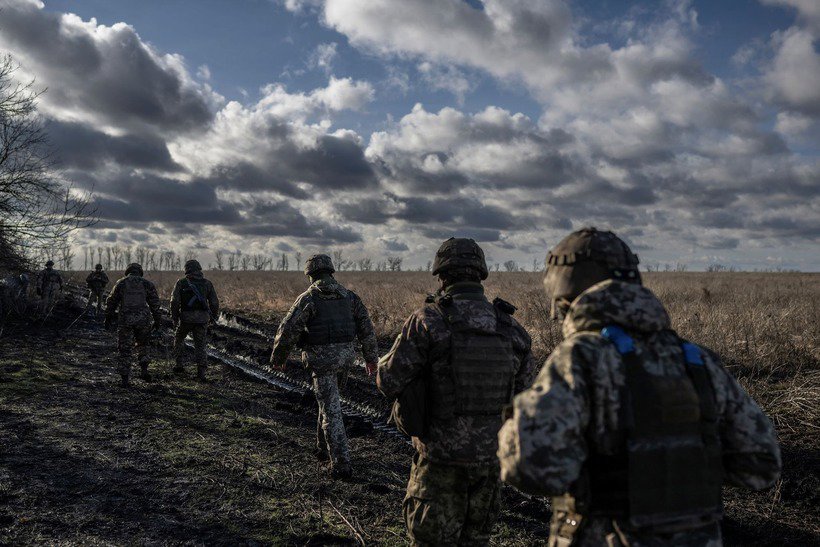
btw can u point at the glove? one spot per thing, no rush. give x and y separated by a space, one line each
108 322
371 368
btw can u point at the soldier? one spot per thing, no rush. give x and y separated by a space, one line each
324 322
13 295
50 284
632 429
193 305
138 303
96 281
472 356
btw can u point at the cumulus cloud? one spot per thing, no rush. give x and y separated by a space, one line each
794 74
103 75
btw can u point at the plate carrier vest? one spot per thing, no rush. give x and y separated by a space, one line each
332 321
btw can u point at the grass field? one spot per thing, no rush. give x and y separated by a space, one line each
766 327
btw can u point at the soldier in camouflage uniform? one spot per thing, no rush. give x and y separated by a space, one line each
96 281
324 322
138 304
631 429
50 284
13 295
194 304
473 356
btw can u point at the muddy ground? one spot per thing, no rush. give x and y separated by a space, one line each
84 461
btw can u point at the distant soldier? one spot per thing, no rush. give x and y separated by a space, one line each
49 286
632 429
193 305
13 295
96 281
138 304
324 322
471 357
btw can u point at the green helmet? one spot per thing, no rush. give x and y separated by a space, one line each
98 267
460 252
319 263
582 259
192 266
134 267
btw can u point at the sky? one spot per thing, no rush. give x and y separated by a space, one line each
382 127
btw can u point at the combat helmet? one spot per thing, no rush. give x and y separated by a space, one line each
50 264
98 267
460 252
134 267
582 259
192 266
319 263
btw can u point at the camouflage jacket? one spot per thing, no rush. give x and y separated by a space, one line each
194 316
135 315
97 281
49 279
572 408
327 358
424 343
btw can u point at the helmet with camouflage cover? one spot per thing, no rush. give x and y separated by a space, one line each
192 266
134 268
50 264
98 267
319 263
582 259
460 252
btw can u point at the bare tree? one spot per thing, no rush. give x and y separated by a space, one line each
298 256
116 256
283 262
66 256
219 256
108 255
394 263
429 265
141 254
36 209
232 261
365 264
511 266
338 261
244 261
260 262
152 259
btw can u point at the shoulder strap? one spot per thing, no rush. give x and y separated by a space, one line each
696 369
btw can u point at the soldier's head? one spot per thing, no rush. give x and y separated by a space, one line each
134 269
317 265
192 266
98 267
582 259
460 259
50 264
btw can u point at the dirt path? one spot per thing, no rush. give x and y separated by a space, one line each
83 461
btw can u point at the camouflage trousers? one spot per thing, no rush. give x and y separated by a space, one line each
48 299
451 504
129 337
95 297
330 430
199 332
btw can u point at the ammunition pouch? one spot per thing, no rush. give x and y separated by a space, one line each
410 410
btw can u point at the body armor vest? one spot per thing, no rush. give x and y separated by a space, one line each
669 473
194 298
332 322
480 369
51 277
134 295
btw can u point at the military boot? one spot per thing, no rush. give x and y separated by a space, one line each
342 471
144 374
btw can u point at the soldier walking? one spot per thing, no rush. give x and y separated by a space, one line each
13 295
632 429
472 357
324 322
49 286
194 304
138 304
96 281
